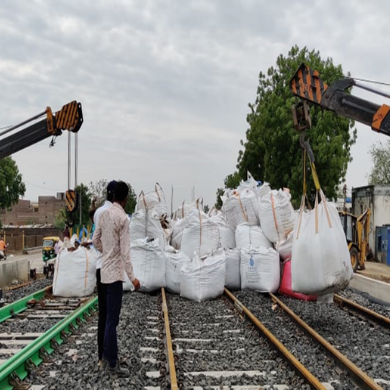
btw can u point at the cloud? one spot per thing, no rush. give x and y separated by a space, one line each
165 84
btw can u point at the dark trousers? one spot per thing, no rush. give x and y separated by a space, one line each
102 313
114 293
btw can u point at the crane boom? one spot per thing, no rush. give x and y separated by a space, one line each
308 85
70 118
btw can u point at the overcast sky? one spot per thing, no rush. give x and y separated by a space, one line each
165 85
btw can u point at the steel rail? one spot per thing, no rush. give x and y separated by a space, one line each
16 369
358 376
171 359
370 314
20 305
302 370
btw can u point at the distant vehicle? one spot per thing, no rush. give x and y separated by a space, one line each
357 229
48 248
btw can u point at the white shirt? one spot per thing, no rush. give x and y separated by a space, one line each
112 238
107 204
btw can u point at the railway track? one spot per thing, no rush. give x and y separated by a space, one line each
32 328
331 369
170 343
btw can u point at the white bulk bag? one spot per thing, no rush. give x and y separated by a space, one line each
240 207
146 224
226 233
204 278
263 190
185 208
321 263
174 262
276 215
285 247
178 226
148 261
75 272
250 183
233 277
153 199
260 269
200 236
214 212
247 235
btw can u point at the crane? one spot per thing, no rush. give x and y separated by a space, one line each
42 126
309 87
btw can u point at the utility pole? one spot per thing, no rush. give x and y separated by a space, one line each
345 197
172 202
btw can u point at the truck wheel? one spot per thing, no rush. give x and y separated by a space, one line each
354 258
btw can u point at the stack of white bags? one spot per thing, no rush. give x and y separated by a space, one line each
240 247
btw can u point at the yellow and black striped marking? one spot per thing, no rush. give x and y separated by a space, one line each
71 200
308 85
69 117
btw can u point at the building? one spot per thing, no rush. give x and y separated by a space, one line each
377 198
26 212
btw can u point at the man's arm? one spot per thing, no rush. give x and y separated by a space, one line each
125 253
97 237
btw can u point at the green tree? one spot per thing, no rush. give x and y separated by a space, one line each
60 219
131 200
272 151
11 184
380 155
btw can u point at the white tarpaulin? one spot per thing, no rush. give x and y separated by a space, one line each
247 235
276 215
204 278
233 277
260 269
321 263
200 236
174 262
146 224
75 273
148 261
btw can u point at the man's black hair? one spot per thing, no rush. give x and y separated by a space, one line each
111 189
121 191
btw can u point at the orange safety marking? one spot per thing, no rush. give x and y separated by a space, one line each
309 88
379 116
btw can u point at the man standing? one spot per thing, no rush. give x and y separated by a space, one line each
112 238
101 294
